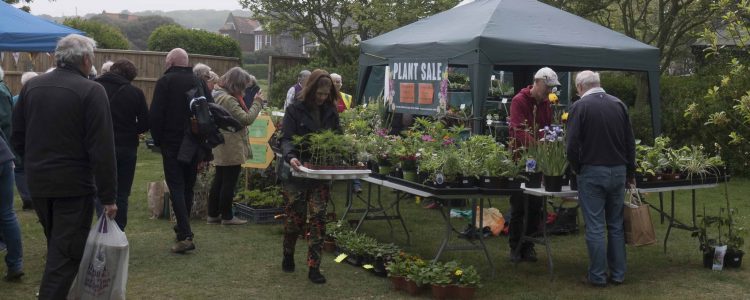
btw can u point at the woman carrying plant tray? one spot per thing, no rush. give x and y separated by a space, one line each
315 111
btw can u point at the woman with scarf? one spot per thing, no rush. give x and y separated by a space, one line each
234 152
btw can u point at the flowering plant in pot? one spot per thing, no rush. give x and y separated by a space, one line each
407 151
552 160
468 281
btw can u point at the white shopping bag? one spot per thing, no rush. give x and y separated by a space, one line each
103 273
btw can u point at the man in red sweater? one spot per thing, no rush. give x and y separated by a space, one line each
530 110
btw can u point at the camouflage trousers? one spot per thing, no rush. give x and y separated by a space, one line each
298 205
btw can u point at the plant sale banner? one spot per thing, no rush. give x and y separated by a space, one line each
417 87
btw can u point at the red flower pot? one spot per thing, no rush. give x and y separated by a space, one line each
398 282
441 291
412 288
465 292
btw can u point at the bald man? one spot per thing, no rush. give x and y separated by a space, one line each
169 118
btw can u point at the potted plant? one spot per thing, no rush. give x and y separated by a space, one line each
438 275
552 160
479 157
398 268
418 277
468 281
384 254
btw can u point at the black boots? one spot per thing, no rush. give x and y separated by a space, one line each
287 265
315 276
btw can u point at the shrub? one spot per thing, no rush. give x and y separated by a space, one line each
194 41
287 77
106 36
260 71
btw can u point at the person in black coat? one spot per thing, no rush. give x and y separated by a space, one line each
316 111
169 119
129 120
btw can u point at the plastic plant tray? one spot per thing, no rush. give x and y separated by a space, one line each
342 174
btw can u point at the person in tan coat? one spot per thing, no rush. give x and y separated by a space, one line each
229 157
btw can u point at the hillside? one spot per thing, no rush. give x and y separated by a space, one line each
210 20
207 19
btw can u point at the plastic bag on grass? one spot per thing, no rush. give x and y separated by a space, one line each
103 273
493 219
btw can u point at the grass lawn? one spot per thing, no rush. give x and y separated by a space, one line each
243 262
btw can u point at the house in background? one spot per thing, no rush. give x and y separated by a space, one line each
251 36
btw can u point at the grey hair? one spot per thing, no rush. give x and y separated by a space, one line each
588 79
213 77
106 66
93 71
2 73
26 76
235 80
202 71
336 76
73 48
303 74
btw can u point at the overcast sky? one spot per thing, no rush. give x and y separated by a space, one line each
68 7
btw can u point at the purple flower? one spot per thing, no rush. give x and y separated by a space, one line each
427 138
448 141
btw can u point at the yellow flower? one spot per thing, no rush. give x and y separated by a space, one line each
553 98
459 272
564 117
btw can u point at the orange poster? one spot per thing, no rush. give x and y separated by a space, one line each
406 94
426 93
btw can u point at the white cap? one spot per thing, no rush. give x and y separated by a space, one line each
549 76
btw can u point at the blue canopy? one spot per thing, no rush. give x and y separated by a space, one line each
23 32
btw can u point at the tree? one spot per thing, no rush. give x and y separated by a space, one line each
106 36
332 22
25 8
726 106
137 31
168 37
669 25
375 17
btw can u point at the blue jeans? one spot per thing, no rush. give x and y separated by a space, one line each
9 228
600 191
126 159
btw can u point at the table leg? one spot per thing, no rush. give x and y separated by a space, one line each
671 223
661 206
403 224
693 196
481 235
550 265
448 230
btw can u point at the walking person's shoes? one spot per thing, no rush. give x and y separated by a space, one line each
183 246
14 275
315 276
234 221
613 282
585 281
213 220
287 265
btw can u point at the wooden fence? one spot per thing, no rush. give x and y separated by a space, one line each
150 65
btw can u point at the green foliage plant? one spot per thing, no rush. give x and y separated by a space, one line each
194 41
105 35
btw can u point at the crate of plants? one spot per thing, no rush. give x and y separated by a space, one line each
332 156
259 206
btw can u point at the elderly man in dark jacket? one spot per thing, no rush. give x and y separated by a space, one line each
62 128
170 127
130 118
601 150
